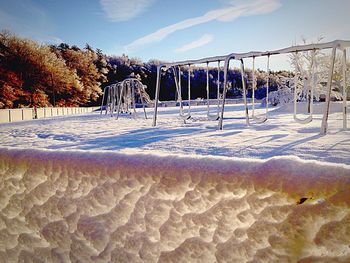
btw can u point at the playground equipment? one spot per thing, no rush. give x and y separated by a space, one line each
310 91
178 90
111 94
334 46
261 119
216 116
122 97
176 69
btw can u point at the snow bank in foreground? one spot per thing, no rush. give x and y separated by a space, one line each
79 206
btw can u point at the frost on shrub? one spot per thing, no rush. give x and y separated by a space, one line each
310 71
284 93
302 64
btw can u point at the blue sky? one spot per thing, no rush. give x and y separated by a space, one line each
177 30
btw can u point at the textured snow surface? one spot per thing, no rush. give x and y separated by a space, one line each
94 189
279 136
79 207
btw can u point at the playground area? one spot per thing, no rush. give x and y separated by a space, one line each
308 78
106 190
189 180
131 133
144 131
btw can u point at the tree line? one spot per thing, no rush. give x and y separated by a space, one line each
41 75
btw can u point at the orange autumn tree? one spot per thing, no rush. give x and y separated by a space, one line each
32 73
35 75
82 63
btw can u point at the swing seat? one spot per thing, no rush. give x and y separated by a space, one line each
213 117
304 121
259 119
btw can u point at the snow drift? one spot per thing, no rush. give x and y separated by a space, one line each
98 207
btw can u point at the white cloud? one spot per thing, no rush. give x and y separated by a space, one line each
51 40
124 10
203 40
230 12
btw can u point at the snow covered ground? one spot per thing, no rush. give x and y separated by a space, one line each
94 189
279 136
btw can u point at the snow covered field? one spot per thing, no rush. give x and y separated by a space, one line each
279 136
94 189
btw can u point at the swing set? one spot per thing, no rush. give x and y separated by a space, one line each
121 97
241 57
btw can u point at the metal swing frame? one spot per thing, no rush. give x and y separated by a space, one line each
226 68
177 78
334 45
130 87
122 93
111 95
344 90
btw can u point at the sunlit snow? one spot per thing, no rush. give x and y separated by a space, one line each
279 136
94 189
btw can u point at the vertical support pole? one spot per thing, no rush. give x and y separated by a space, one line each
112 102
253 88
218 90
115 96
208 95
189 89
267 83
121 96
109 100
313 81
132 86
244 94
156 99
128 96
226 66
140 91
180 93
178 90
345 93
295 86
117 92
107 103
103 98
324 125
175 79
114 99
